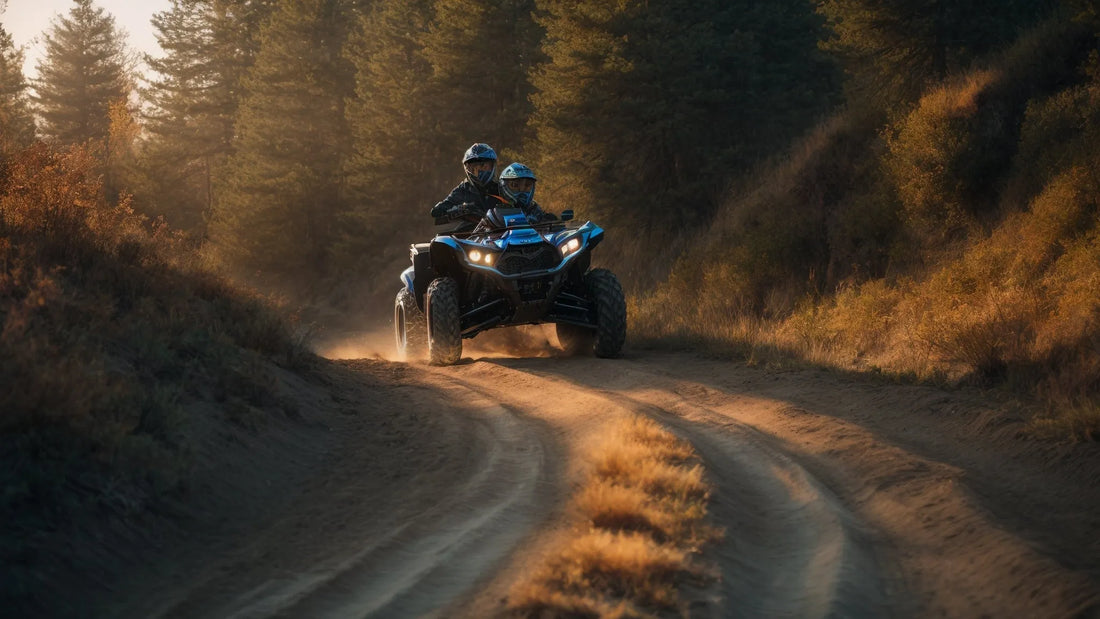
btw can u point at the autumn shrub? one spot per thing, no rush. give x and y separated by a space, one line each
1067 340
1018 308
945 156
1059 131
1051 140
771 244
864 316
953 155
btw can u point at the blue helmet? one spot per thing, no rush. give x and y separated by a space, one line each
517 182
473 162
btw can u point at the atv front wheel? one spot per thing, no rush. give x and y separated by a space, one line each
409 328
604 289
444 322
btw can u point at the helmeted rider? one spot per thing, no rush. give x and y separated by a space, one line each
475 195
517 183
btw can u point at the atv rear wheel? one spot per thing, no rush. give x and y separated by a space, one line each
409 327
444 322
604 289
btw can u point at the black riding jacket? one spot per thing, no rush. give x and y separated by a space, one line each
479 203
467 193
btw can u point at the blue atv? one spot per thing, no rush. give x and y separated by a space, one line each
508 271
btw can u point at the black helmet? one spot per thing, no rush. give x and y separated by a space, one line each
474 163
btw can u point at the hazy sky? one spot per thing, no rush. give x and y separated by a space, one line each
25 20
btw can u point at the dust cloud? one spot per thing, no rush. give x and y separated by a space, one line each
522 341
373 344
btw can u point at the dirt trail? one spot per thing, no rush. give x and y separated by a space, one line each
438 487
843 497
901 501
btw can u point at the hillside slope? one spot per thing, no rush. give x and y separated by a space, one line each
121 360
954 239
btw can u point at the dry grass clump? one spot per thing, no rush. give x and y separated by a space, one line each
643 508
655 474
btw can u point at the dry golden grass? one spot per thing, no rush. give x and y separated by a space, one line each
630 464
549 602
643 511
1019 308
946 251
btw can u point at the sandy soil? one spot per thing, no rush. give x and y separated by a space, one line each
407 490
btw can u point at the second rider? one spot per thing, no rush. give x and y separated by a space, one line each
473 197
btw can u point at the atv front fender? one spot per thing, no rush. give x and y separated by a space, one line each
447 257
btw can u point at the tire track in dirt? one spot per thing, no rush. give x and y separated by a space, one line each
838 498
440 553
791 547
357 546
910 482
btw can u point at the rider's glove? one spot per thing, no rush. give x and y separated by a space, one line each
541 217
459 210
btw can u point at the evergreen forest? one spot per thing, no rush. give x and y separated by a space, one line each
900 187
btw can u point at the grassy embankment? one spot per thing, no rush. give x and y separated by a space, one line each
109 330
641 516
954 241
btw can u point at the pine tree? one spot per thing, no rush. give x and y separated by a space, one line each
194 96
84 71
893 49
432 77
280 192
16 122
643 110
481 53
395 168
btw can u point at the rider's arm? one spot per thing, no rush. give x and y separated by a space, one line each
456 198
535 213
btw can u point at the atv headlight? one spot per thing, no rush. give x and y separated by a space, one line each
570 246
478 256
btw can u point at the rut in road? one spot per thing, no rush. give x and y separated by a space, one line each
832 503
347 550
791 548
440 553
940 511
